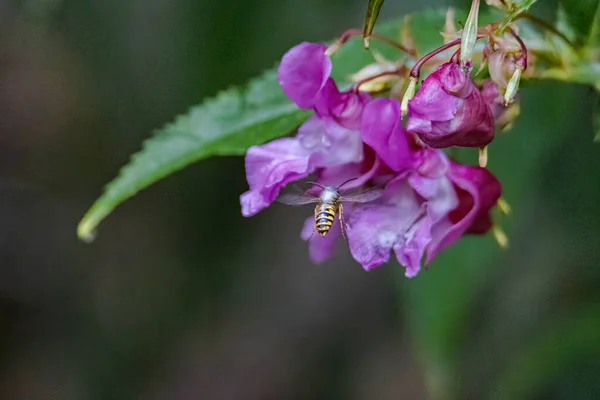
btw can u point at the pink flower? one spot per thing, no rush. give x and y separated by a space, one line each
449 110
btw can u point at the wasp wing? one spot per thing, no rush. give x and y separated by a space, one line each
362 195
296 199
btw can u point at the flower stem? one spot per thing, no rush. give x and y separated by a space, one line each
358 32
547 26
522 61
416 69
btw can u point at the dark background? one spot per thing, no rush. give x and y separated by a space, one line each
182 298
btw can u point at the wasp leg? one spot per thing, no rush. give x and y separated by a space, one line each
342 223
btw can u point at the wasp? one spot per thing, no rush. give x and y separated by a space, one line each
329 203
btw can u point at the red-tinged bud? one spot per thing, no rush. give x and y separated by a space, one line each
449 110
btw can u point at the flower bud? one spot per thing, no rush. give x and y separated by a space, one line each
450 33
513 86
501 67
469 34
408 95
449 110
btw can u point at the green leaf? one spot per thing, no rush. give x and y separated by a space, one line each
225 125
583 17
372 13
516 7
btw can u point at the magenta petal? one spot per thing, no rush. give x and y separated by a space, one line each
479 192
493 98
270 167
432 103
372 235
376 229
411 254
449 110
382 130
438 192
370 168
344 107
303 72
331 143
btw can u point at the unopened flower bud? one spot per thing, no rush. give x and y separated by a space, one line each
469 34
501 67
408 95
449 110
513 86
450 32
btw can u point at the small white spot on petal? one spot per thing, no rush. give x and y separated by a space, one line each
386 238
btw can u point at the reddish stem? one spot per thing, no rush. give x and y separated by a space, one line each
522 61
416 70
456 56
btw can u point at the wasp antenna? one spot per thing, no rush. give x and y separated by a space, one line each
316 184
349 180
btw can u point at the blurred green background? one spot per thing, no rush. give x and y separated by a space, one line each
182 298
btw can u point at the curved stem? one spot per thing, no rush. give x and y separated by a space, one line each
456 56
547 26
522 61
416 69
358 32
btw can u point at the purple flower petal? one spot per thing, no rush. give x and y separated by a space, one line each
438 192
503 114
432 103
371 168
449 110
478 191
382 130
376 229
411 254
493 98
331 143
303 72
270 167
344 107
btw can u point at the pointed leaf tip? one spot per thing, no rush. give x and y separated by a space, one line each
371 18
227 124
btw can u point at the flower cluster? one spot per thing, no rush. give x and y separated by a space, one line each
428 200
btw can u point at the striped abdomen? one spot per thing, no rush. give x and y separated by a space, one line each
324 217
